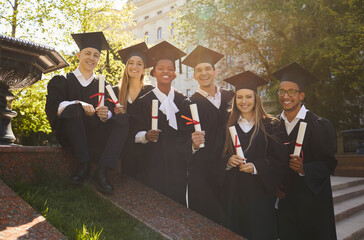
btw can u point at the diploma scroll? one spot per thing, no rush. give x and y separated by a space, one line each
196 119
300 136
236 141
101 90
154 114
112 95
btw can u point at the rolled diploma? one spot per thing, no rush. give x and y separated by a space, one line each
195 117
239 150
112 95
300 136
154 114
101 89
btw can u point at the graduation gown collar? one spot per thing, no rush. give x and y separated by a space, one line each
168 107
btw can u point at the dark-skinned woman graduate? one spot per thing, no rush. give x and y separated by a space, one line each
250 182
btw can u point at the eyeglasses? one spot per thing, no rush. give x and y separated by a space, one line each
290 92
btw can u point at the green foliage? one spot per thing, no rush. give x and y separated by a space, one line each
51 22
80 213
326 37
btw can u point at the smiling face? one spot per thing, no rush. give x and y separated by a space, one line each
291 104
135 67
89 58
205 75
245 102
164 72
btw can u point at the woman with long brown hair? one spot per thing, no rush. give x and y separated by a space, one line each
131 88
250 182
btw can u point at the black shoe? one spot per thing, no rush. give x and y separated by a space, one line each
81 173
101 181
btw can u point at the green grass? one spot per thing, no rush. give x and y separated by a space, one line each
79 213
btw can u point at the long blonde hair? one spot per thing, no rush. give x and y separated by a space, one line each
259 115
125 85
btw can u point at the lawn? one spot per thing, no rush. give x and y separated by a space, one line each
79 213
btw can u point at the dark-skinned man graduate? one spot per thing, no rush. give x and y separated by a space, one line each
91 132
305 209
206 169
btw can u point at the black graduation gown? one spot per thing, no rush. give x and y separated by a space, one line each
307 211
130 153
163 164
87 137
250 198
206 169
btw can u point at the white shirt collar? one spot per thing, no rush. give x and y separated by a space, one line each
215 100
300 115
81 79
245 125
168 107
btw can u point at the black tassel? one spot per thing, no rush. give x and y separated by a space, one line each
108 61
180 66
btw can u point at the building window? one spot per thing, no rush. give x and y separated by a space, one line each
159 12
172 30
188 92
146 37
188 72
146 17
159 33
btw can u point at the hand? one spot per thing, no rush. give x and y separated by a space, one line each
235 160
88 108
279 192
152 135
246 167
197 139
119 109
102 112
296 164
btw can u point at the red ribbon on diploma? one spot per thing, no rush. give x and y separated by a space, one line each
298 145
236 142
98 94
191 121
112 101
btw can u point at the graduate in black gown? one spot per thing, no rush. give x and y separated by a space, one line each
250 185
206 169
131 88
166 150
305 209
91 132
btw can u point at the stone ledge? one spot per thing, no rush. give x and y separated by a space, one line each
350 166
163 215
20 221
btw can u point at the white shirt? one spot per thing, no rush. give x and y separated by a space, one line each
215 100
290 125
84 83
245 125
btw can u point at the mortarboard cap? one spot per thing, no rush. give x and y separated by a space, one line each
163 50
135 50
294 72
246 80
91 39
202 55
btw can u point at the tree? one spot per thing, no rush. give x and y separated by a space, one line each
51 22
326 37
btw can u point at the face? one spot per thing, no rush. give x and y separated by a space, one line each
89 58
205 75
290 103
135 67
164 72
245 101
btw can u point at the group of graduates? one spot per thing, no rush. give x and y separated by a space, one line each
269 193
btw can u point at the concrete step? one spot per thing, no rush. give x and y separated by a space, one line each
348 193
348 208
351 228
338 183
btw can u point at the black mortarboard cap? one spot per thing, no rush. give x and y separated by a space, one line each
164 50
246 80
294 72
135 50
91 39
202 55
